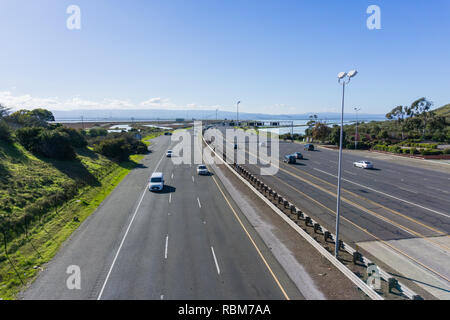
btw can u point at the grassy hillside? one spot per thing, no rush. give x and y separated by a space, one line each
29 184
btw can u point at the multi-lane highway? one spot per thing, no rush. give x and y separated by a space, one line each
190 241
396 212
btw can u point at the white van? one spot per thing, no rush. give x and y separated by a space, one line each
156 182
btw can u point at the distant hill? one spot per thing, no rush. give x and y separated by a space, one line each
156 114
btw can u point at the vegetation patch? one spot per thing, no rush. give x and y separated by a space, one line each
51 179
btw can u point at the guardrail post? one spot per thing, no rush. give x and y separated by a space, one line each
327 235
356 257
393 284
341 244
300 215
317 227
308 220
293 209
285 203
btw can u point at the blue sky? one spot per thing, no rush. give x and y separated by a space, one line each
274 56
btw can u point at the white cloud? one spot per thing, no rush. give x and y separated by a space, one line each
27 101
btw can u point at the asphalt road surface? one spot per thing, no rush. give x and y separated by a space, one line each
393 202
188 242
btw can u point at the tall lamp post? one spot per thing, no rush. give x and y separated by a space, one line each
356 129
237 113
343 78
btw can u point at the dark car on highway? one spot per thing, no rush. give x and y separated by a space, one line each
298 155
309 147
290 158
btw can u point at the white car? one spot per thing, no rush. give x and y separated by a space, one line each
169 153
156 182
363 164
202 170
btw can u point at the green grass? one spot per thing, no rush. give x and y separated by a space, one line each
151 136
25 179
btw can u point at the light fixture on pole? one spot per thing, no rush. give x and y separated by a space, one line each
237 113
356 129
343 78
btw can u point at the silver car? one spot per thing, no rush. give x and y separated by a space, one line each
363 164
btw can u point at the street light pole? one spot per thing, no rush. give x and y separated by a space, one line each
356 130
237 113
344 79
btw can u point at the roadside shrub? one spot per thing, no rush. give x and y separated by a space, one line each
116 148
430 152
97 132
56 145
76 137
413 151
446 151
49 143
5 132
29 137
140 148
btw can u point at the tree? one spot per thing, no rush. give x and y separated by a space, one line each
42 115
5 131
398 113
312 121
4 111
335 135
320 131
33 118
420 109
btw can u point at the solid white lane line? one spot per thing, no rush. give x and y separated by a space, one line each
121 244
124 237
388 195
172 175
162 297
349 172
167 245
192 178
215 260
170 197
199 204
